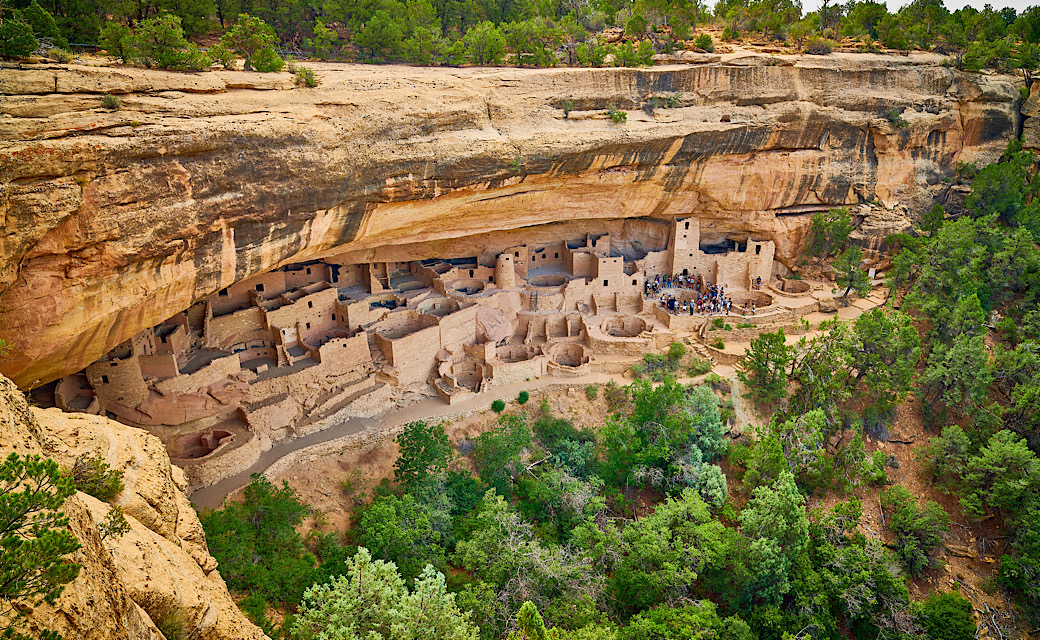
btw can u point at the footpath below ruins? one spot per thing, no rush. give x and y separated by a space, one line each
297 457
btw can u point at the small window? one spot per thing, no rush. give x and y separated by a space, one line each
308 325
556 255
113 363
344 345
333 316
308 271
758 249
310 304
104 379
687 224
222 292
633 283
516 253
260 287
471 273
605 283
691 255
491 279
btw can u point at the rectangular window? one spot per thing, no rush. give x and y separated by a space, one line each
308 325
308 271
633 282
260 287
687 225
556 255
758 249
222 292
104 379
605 283
516 253
310 304
334 317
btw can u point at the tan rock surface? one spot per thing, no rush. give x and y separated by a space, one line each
161 565
116 220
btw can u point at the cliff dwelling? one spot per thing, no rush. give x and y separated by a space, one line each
289 351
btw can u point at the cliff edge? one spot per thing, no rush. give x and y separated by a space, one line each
160 570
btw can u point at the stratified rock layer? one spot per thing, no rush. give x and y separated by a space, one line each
158 571
116 220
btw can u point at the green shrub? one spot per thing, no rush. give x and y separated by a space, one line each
819 46
257 545
305 76
111 102
919 531
267 61
676 351
173 624
523 397
615 395
35 534
60 55
16 39
114 524
160 42
324 40
718 343
699 366
874 471
592 392
591 54
947 616
617 115
893 116
704 42
730 33
636 25
425 451
93 476
118 41
222 55
254 40
498 406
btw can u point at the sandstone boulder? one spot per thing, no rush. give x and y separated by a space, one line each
161 566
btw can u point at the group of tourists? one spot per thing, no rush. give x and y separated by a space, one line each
711 299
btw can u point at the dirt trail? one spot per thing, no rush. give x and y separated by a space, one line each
212 496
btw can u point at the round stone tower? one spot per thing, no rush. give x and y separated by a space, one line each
505 272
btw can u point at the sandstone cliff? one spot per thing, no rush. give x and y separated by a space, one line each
116 220
161 568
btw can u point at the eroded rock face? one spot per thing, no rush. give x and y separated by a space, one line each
160 568
116 220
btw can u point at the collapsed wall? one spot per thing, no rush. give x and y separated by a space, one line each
115 221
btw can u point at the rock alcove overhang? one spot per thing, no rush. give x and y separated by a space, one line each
115 221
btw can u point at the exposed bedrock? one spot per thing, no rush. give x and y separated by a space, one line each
116 220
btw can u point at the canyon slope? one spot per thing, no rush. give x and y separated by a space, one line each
159 572
115 220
